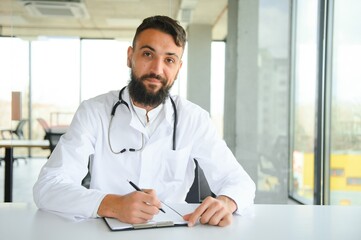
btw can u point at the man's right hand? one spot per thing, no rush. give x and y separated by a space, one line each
135 207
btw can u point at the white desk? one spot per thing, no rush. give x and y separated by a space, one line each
9 145
274 222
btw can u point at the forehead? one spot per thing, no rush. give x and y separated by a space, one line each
158 40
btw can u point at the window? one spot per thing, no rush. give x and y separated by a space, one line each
103 66
54 81
345 149
337 172
304 101
14 55
272 101
333 166
14 72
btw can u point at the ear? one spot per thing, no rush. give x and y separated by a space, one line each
129 58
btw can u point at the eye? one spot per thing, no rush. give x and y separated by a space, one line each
147 54
169 60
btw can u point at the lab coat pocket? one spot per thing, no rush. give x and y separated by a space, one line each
176 163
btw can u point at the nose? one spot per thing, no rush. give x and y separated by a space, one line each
157 66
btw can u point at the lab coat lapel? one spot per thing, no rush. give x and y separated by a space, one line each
151 154
134 122
165 128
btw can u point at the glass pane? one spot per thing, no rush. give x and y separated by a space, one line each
305 84
14 75
55 82
104 66
345 162
273 101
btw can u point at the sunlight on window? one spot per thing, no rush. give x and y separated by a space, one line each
103 66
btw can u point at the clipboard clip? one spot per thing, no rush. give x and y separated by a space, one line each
153 225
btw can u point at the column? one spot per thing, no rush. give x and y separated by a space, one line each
241 83
199 65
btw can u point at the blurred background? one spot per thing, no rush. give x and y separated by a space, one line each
280 78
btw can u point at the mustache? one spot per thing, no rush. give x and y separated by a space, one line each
152 75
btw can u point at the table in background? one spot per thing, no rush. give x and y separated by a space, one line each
9 146
281 222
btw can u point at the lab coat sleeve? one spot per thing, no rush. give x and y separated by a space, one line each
58 188
223 172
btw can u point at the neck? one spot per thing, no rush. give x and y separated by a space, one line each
146 107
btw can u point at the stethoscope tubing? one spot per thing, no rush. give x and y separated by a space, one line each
121 101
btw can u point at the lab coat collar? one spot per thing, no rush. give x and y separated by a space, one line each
134 122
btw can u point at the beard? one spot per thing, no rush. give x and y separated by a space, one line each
140 94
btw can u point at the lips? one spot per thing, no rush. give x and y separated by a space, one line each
153 78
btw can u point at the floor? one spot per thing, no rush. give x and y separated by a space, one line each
25 175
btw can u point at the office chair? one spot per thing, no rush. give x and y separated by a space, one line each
86 181
200 188
52 135
17 133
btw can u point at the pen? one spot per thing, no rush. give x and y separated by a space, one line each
138 189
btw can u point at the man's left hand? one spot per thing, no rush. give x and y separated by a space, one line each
213 211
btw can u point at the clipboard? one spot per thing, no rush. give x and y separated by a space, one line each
171 218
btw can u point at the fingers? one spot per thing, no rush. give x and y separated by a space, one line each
135 207
212 211
151 198
141 212
144 203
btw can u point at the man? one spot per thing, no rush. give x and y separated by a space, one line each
143 135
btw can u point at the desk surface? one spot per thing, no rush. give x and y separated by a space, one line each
24 221
24 143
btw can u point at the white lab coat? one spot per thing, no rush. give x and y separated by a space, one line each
156 166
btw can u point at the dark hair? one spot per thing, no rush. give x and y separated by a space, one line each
164 24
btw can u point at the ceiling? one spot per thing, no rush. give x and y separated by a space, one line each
104 18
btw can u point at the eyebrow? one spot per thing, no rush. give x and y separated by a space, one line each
152 49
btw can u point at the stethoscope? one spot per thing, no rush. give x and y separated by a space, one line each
121 101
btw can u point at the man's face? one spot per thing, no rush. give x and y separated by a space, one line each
155 61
